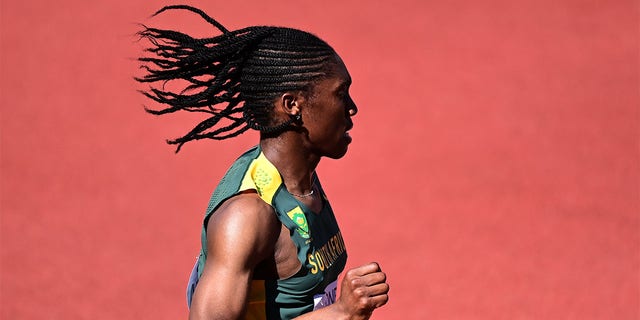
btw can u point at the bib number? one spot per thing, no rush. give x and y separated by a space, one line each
328 297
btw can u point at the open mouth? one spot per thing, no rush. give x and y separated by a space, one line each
347 136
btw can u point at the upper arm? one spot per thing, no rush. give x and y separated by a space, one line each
240 234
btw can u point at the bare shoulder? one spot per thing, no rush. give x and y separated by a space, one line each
246 209
244 225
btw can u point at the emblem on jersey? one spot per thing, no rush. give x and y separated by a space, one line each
297 216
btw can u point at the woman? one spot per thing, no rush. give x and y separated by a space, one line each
271 247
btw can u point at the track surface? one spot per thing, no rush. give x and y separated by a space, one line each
494 172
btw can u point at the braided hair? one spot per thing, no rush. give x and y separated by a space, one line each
234 77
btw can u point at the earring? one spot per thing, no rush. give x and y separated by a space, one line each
296 117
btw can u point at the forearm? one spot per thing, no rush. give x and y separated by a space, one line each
333 312
363 290
330 312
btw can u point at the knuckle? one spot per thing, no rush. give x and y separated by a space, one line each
363 303
359 292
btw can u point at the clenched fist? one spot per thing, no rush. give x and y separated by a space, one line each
363 290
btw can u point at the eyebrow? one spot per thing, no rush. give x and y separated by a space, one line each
344 84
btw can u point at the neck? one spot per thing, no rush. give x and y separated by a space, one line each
293 160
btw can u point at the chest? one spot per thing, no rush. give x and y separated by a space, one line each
319 248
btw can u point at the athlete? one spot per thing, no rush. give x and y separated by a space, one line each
271 246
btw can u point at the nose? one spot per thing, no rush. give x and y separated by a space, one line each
352 108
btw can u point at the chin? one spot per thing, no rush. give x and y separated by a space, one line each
337 154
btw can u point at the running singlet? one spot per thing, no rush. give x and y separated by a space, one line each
321 249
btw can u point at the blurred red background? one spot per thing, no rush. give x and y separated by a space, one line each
494 173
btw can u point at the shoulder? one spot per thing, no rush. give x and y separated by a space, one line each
244 206
245 224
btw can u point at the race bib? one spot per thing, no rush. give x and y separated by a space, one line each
193 282
327 298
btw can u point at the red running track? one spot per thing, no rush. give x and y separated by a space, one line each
494 172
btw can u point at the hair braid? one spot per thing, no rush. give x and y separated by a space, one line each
234 76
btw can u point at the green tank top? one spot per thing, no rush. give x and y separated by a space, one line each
321 249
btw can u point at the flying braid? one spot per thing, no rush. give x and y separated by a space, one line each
234 76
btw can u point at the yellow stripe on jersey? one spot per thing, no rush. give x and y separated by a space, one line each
256 307
262 176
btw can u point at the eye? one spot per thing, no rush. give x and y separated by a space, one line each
343 93
343 90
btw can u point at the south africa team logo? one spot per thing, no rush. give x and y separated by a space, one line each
298 217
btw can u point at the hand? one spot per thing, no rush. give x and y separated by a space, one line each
363 290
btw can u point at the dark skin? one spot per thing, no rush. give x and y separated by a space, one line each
245 239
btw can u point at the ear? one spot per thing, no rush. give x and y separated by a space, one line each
290 103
